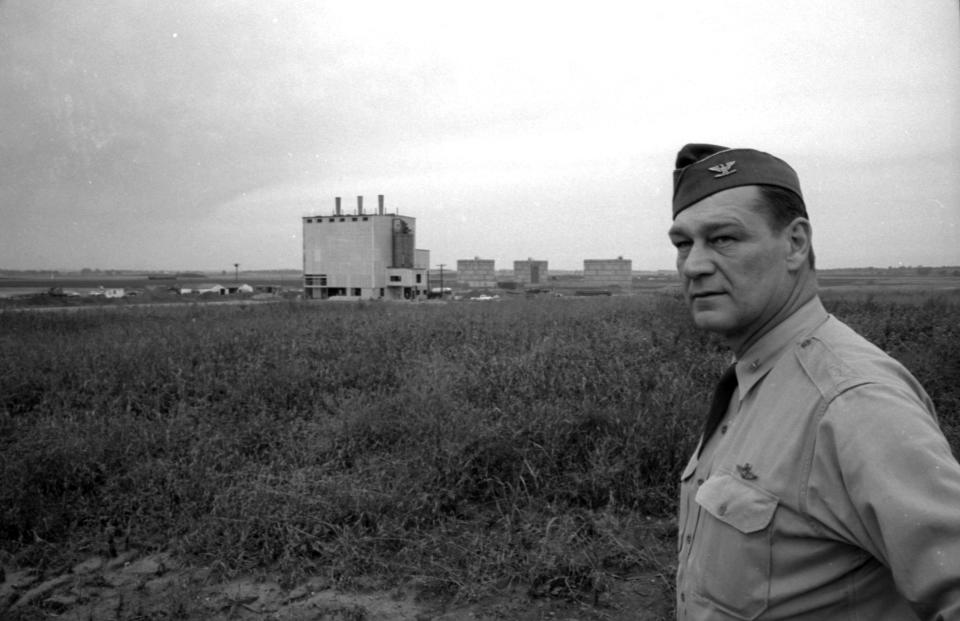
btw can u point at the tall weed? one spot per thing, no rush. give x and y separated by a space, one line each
466 446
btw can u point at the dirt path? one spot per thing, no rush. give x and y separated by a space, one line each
156 586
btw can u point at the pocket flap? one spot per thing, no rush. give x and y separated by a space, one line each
735 502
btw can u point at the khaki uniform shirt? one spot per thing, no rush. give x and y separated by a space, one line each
829 491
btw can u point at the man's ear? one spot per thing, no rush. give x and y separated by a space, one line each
800 237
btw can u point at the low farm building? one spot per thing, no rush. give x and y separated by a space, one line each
216 289
113 292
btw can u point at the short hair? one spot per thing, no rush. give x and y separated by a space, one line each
781 207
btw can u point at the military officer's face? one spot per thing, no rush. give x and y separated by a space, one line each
732 264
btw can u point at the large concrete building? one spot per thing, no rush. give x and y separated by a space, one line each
363 255
477 273
608 272
530 272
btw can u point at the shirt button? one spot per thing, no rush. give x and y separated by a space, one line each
723 429
722 510
699 481
682 598
687 538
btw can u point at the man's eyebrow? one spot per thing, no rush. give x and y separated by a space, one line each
710 228
705 228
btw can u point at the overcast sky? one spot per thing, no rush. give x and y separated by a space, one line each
195 134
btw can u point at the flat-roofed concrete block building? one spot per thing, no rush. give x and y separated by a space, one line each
362 255
531 272
608 272
477 273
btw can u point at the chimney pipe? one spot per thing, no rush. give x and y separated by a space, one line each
359 205
336 210
380 208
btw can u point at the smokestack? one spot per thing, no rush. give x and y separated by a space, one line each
380 207
336 210
359 205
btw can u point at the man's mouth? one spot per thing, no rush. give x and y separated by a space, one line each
704 294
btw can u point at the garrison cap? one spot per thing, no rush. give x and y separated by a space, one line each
705 169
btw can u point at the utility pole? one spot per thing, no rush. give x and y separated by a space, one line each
441 279
236 272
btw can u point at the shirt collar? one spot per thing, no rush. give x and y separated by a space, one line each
757 361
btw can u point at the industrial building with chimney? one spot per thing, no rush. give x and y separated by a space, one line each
363 256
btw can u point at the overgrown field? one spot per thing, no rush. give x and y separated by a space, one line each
465 447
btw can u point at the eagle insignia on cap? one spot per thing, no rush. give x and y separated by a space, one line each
724 169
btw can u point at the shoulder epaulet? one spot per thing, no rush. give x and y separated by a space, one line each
831 375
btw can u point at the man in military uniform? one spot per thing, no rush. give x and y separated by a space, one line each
822 487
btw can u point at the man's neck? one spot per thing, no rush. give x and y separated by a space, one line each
805 291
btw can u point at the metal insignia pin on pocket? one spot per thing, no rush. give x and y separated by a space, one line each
746 471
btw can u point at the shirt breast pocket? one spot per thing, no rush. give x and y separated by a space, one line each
734 545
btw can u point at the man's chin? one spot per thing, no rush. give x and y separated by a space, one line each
711 320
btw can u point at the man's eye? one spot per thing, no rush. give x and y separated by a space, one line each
722 240
681 244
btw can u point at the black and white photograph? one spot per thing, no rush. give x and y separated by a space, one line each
490 311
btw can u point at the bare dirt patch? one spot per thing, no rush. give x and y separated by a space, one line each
157 586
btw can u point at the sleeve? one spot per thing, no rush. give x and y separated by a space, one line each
900 485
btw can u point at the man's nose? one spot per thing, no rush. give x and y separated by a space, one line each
698 262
